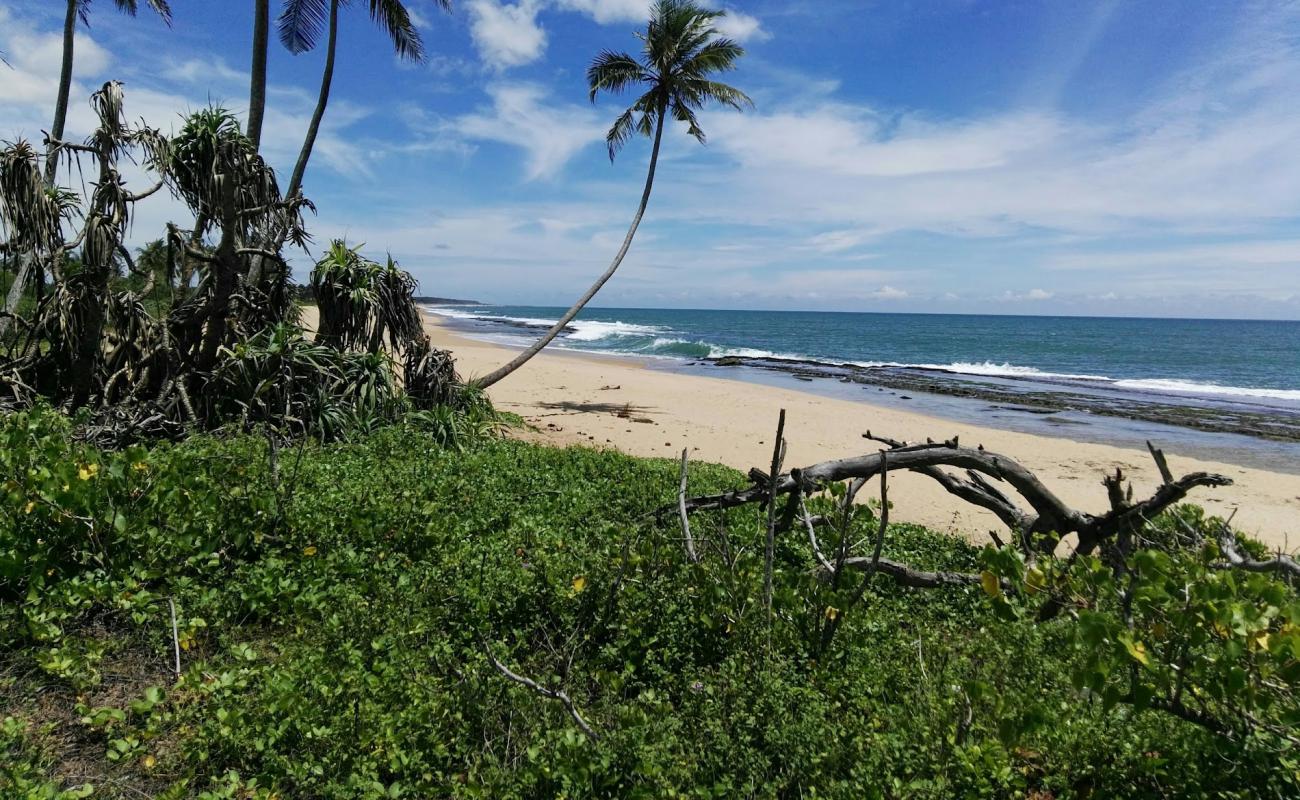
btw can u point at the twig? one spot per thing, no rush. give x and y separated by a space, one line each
812 539
550 694
774 477
681 509
176 639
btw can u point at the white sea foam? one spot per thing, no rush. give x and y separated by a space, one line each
1193 387
454 313
589 331
716 351
583 330
987 368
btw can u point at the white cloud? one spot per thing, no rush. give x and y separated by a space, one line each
205 70
608 11
736 24
549 134
742 27
507 35
30 83
1031 296
1282 252
889 293
839 241
853 140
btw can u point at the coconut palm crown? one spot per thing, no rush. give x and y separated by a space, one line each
681 48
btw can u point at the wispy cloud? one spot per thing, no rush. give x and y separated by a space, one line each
523 115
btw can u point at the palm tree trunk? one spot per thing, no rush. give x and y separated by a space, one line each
16 289
295 183
257 86
537 346
27 267
65 88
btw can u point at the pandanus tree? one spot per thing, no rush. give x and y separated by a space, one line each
75 10
681 50
362 302
300 26
80 9
146 363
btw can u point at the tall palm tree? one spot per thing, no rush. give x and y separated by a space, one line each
681 49
300 26
257 72
80 9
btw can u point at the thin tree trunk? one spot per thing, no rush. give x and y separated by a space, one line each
28 267
295 183
65 88
15 295
559 326
257 86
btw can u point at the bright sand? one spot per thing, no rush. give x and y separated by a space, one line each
575 399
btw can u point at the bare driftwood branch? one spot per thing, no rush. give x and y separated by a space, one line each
681 507
774 477
1279 564
550 694
1161 464
916 578
176 639
1038 528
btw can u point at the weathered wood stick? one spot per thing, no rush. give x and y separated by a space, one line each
681 508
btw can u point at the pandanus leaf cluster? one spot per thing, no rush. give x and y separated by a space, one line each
362 302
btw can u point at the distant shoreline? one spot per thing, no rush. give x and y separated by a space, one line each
1256 431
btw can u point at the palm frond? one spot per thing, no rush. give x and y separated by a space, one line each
162 9
392 16
614 72
619 133
684 113
300 24
130 7
719 55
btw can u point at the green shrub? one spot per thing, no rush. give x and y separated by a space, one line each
333 615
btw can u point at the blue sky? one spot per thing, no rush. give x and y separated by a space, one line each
1007 156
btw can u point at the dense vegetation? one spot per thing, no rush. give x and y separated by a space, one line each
336 605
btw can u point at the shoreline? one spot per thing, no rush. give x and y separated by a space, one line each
577 398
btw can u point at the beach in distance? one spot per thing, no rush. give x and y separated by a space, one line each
615 382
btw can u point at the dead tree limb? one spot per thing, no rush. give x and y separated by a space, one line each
774 479
551 694
915 578
1037 528
681 508
1158 456
1279 564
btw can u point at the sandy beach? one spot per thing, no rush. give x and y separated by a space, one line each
597 401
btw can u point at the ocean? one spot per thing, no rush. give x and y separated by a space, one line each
1227 388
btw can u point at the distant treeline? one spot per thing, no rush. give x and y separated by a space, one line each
302 293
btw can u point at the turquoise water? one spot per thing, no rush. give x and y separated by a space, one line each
1230 360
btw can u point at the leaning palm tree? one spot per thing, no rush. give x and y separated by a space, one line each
681 49
300 26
